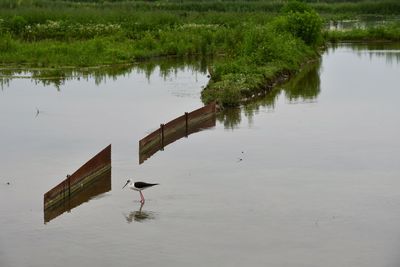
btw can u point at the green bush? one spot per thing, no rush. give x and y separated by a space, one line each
307 26
16 25
7 44
296 6
301 21
388 32
256 47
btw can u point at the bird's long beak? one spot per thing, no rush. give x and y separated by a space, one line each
125 185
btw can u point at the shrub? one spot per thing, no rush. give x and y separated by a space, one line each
17 25
306 26
301 21
296 6
7 44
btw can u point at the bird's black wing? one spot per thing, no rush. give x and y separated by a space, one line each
141 185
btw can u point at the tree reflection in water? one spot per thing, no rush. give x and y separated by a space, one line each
303 87
57 76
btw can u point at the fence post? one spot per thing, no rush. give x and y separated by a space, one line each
187 124
69 185
64 189
162 136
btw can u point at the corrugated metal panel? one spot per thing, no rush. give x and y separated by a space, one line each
92 169
182 126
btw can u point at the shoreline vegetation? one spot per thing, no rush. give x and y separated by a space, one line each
382 33
256 43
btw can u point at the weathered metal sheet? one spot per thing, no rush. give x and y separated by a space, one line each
90 172
182 126
100 185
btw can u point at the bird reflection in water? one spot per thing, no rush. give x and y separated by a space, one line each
139 215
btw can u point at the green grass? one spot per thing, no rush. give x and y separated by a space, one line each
266 55
181 42
388 32
242 6
259 40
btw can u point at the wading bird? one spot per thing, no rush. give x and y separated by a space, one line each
138 186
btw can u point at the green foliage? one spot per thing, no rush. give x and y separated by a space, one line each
62 30
307 26
16 24
226 92
296 6
364 7
257 42
300 20
389 32
257 47
263 52
7 44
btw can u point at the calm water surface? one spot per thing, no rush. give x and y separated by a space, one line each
306 176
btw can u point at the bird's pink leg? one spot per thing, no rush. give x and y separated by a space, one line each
141 197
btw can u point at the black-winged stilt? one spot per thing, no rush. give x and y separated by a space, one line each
138 186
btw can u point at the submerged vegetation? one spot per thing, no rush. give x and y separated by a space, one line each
260 41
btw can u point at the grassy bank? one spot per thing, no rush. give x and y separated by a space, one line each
260 42
387 32
257 48
115 49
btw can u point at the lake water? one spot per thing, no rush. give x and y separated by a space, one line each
305 176
363 23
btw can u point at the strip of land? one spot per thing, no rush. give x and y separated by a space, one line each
257 42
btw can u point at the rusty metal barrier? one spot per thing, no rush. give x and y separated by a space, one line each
97 168
100 185
182 126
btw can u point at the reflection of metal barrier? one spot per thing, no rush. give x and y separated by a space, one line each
182 126
100 185
96 169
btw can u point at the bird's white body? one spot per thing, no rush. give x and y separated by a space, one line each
138 186
132 186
